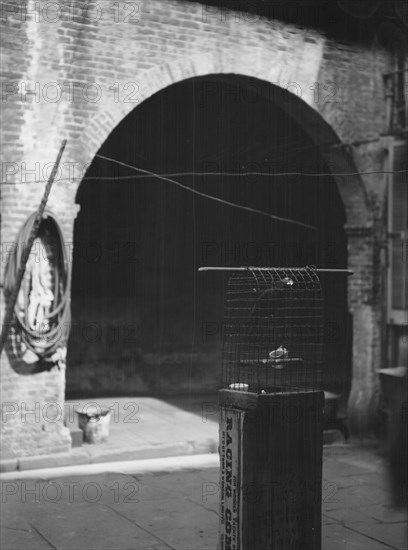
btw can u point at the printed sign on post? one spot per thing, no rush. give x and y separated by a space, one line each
230 482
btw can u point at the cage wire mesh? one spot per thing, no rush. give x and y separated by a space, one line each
273 330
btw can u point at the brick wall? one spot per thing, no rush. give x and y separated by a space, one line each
88 68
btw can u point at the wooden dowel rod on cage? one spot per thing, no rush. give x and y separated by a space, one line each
345 271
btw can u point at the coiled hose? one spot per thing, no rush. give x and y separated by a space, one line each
48 344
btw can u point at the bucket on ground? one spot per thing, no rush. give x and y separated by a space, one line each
94 422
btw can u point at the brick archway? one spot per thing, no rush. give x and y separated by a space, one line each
337 158
168 45
294 96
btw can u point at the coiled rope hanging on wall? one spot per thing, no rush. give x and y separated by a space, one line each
42 311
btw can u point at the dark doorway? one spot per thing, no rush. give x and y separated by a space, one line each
147 322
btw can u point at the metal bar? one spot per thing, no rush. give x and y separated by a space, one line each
345 271
27 249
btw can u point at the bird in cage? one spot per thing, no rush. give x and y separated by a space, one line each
280 353
267 326
277 357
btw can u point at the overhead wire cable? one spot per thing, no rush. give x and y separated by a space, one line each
210 197
206 174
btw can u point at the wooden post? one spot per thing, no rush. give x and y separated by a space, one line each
271 470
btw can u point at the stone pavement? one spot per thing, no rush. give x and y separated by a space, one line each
140 428
179 510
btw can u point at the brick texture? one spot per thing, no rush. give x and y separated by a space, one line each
88 68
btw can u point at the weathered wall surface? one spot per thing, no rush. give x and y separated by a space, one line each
76 72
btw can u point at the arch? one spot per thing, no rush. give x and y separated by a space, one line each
293 96
193 126
306 114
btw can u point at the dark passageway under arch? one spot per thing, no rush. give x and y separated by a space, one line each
148 323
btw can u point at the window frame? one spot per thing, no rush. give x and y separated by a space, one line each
395 316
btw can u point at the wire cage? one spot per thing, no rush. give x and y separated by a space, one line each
273 330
